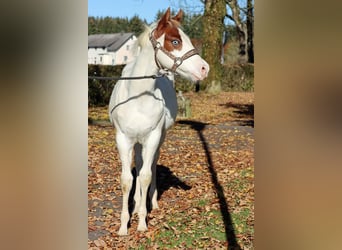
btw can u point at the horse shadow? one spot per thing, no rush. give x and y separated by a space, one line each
243 113
224 208
165 180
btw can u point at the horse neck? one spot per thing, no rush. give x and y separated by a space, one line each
144 66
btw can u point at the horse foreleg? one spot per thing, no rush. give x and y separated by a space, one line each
145 176
125 151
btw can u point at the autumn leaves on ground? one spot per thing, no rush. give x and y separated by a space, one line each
205 179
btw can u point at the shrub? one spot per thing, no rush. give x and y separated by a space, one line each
238 78
99 91
235 78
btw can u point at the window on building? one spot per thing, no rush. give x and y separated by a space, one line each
127 47
125 58
101 59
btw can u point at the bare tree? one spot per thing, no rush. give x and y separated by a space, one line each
250 31
244 28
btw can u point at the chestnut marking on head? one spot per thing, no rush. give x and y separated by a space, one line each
169 26
173 39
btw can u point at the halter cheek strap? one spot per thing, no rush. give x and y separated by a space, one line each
177 61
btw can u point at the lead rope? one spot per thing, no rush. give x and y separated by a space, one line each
160 75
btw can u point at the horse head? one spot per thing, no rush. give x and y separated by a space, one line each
174 51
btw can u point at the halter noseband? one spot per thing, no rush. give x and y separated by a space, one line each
177 61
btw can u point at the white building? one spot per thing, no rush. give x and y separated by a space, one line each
110 49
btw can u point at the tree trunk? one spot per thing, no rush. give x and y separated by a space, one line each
250 31
214 13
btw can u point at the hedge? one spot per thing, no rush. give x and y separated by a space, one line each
236 78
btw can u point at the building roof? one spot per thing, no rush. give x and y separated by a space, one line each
110 41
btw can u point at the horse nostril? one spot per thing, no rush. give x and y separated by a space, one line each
204 70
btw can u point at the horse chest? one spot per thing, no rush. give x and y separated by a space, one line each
140 117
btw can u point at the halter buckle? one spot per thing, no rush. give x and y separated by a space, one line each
158 45
178 61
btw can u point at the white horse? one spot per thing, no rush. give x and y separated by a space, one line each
142 110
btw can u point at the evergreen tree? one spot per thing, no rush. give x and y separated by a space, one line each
136 25
108 25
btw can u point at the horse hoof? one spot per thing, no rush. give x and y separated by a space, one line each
142 228
155 205
135 211
122 232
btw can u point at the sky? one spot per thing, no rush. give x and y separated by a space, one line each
145 9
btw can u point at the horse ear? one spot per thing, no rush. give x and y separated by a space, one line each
179 16
162 24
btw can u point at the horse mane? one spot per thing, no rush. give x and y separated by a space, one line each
143 38
142 41
174 22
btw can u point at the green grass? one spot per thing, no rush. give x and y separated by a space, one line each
192 232
240 222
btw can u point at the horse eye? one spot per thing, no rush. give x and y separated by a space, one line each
175 42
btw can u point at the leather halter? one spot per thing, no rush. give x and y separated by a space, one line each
177 61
